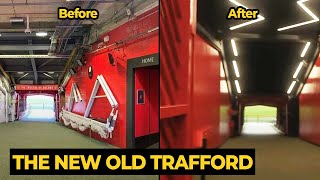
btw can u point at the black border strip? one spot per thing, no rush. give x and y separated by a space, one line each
131 65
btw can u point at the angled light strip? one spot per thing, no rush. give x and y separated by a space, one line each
305 49
314 17
235 67
298 70
291 87
260 18
238 86
48 75
234 47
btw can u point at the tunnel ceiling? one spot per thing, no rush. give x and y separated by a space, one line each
267 58
277 14
266 67
43 17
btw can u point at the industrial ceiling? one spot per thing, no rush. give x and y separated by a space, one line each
18 49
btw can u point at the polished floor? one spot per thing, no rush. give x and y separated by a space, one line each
260 128
40 115
278 158
48 135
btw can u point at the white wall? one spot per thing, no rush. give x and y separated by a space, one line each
5 100
2 107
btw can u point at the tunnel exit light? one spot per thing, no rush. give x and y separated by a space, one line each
314 17
295 75
260 18
305 49
291 87
234 47
238 86
235 67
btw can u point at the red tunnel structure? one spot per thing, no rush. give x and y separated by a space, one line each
197 106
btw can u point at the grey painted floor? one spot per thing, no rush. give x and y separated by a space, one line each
47 135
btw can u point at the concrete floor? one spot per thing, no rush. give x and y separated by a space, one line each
278 157
47 135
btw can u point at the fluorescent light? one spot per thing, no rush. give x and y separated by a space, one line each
314 17
298 70
234 47
16 20
235 67
42 34
305 49
48 75
238 86
27 56
20 72
260 18
291 87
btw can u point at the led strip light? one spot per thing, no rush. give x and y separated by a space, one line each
291 87
296 73
260 18
314 17
235 66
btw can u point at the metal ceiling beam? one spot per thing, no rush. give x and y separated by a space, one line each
5 74
39 71
33 56
33 63
29 47
59 2
21 68
287 37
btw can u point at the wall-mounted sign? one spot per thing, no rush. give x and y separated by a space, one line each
25 87
140 96
147 60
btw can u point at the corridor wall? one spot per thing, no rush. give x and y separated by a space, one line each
309 107
130 44
190 97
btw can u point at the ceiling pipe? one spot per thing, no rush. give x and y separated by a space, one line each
57 3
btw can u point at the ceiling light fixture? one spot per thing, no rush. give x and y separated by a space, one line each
298 70
238 86
42 34
291 87
48 75
305 49
235 67
314 17
234 47
260 18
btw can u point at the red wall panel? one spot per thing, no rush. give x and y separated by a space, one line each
309 107
192 106
205 108
115 76
154 101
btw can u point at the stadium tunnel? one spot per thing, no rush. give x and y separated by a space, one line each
79 83
233 64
